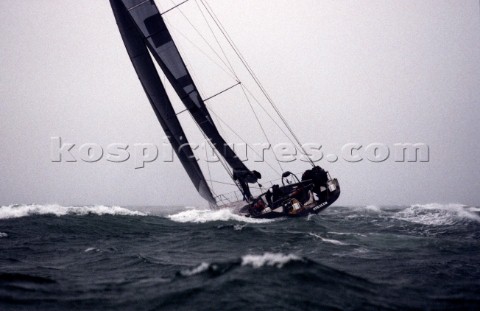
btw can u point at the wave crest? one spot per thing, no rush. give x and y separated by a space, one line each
269 259
277 260
331 241
198 269
17 211
436 214
207 215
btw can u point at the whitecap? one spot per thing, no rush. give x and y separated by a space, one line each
198 269
347 233
207 215
269 259
372 208
16 211
239 227
436 214
91 249
3 235
331 241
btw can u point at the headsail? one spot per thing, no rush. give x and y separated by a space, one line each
148 20
148 75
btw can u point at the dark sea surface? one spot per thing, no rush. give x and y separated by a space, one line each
347 258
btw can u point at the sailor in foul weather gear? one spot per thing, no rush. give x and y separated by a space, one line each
273 196
318 176
241 178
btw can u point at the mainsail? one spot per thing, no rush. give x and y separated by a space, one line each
143 29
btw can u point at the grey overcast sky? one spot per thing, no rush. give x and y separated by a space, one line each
340 71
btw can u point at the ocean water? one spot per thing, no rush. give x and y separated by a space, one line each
183 258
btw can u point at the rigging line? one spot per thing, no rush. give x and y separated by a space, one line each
229 88
230 184
221 160
271 118
225 165
233 70
234 47
222 130
213 112
176 6
249 69
261 126
222 182
187 64
216 39
203 38
236 50
225 70
227 59
229 64
193 73
209 173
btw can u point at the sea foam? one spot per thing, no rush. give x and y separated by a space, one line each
436 214
16 211
331 241
198 269
269 259
207 215
277 260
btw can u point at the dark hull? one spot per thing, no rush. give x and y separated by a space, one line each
314 208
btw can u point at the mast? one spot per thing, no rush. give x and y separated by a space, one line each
155 91
149 22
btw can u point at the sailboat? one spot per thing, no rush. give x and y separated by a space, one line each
145 35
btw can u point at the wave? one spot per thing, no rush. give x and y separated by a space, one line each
17 211
372 208
197 270
436 214
269 259
432 214
347 233
474 209
331 241
277 260
91 249
207 215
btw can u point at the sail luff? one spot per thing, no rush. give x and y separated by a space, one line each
150 23
158 98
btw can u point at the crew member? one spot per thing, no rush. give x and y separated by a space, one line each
318 176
